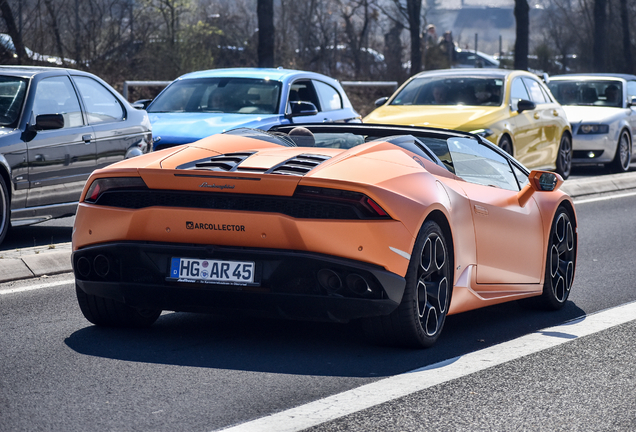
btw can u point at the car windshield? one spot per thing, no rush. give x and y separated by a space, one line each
219 95
595 93
12 92
462 90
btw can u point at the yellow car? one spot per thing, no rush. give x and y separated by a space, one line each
512 109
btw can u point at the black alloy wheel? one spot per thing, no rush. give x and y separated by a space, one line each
561 261
623 157
419 319
564 157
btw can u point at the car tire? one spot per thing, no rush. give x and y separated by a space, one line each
111 313
5 210
506 145
623 157
564 157
560 261
419 319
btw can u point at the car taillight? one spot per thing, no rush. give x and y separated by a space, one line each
365 205
102 185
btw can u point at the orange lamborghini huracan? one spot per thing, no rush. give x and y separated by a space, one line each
397 226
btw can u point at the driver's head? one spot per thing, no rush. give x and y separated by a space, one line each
302 137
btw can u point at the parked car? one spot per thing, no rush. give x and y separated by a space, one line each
56 127
602 111
397 226
474 59
512 109
200 104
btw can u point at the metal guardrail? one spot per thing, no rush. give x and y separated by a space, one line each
392 84
142 84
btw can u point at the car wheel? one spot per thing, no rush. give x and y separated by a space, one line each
4 209
506 145
111 313
564 158
560 262
623 156
419 319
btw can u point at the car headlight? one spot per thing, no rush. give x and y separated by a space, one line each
588 129
482 132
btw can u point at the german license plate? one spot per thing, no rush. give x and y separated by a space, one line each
212 271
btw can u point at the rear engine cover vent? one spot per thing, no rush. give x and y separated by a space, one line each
299 165
226 162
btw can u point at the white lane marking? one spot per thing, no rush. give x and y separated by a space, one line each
36 287
388 389
603 198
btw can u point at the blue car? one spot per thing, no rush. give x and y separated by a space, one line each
200 104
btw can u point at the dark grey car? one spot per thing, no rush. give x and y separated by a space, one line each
56 127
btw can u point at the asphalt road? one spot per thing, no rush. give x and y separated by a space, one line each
194 372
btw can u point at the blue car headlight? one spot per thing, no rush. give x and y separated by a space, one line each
589 129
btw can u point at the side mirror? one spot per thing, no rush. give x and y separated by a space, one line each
632 101
141 104
525 105
381 101
49 122
539 181
300 108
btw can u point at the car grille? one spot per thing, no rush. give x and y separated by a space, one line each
297 207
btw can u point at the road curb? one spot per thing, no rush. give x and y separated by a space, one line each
581 187
40 261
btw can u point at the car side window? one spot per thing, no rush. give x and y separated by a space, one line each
517 91
56 95
101 105
330 99
476 163
303 91
534 90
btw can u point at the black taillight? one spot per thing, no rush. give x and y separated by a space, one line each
366 207
102 185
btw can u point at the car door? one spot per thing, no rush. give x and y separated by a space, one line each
522 124
59 160
508 237
547 121
106 115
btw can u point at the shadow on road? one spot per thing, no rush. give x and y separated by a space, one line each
36 235
304 348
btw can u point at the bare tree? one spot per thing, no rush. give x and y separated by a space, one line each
522 16
627 40
600 15
265 11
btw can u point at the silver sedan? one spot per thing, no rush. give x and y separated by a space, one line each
601 109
